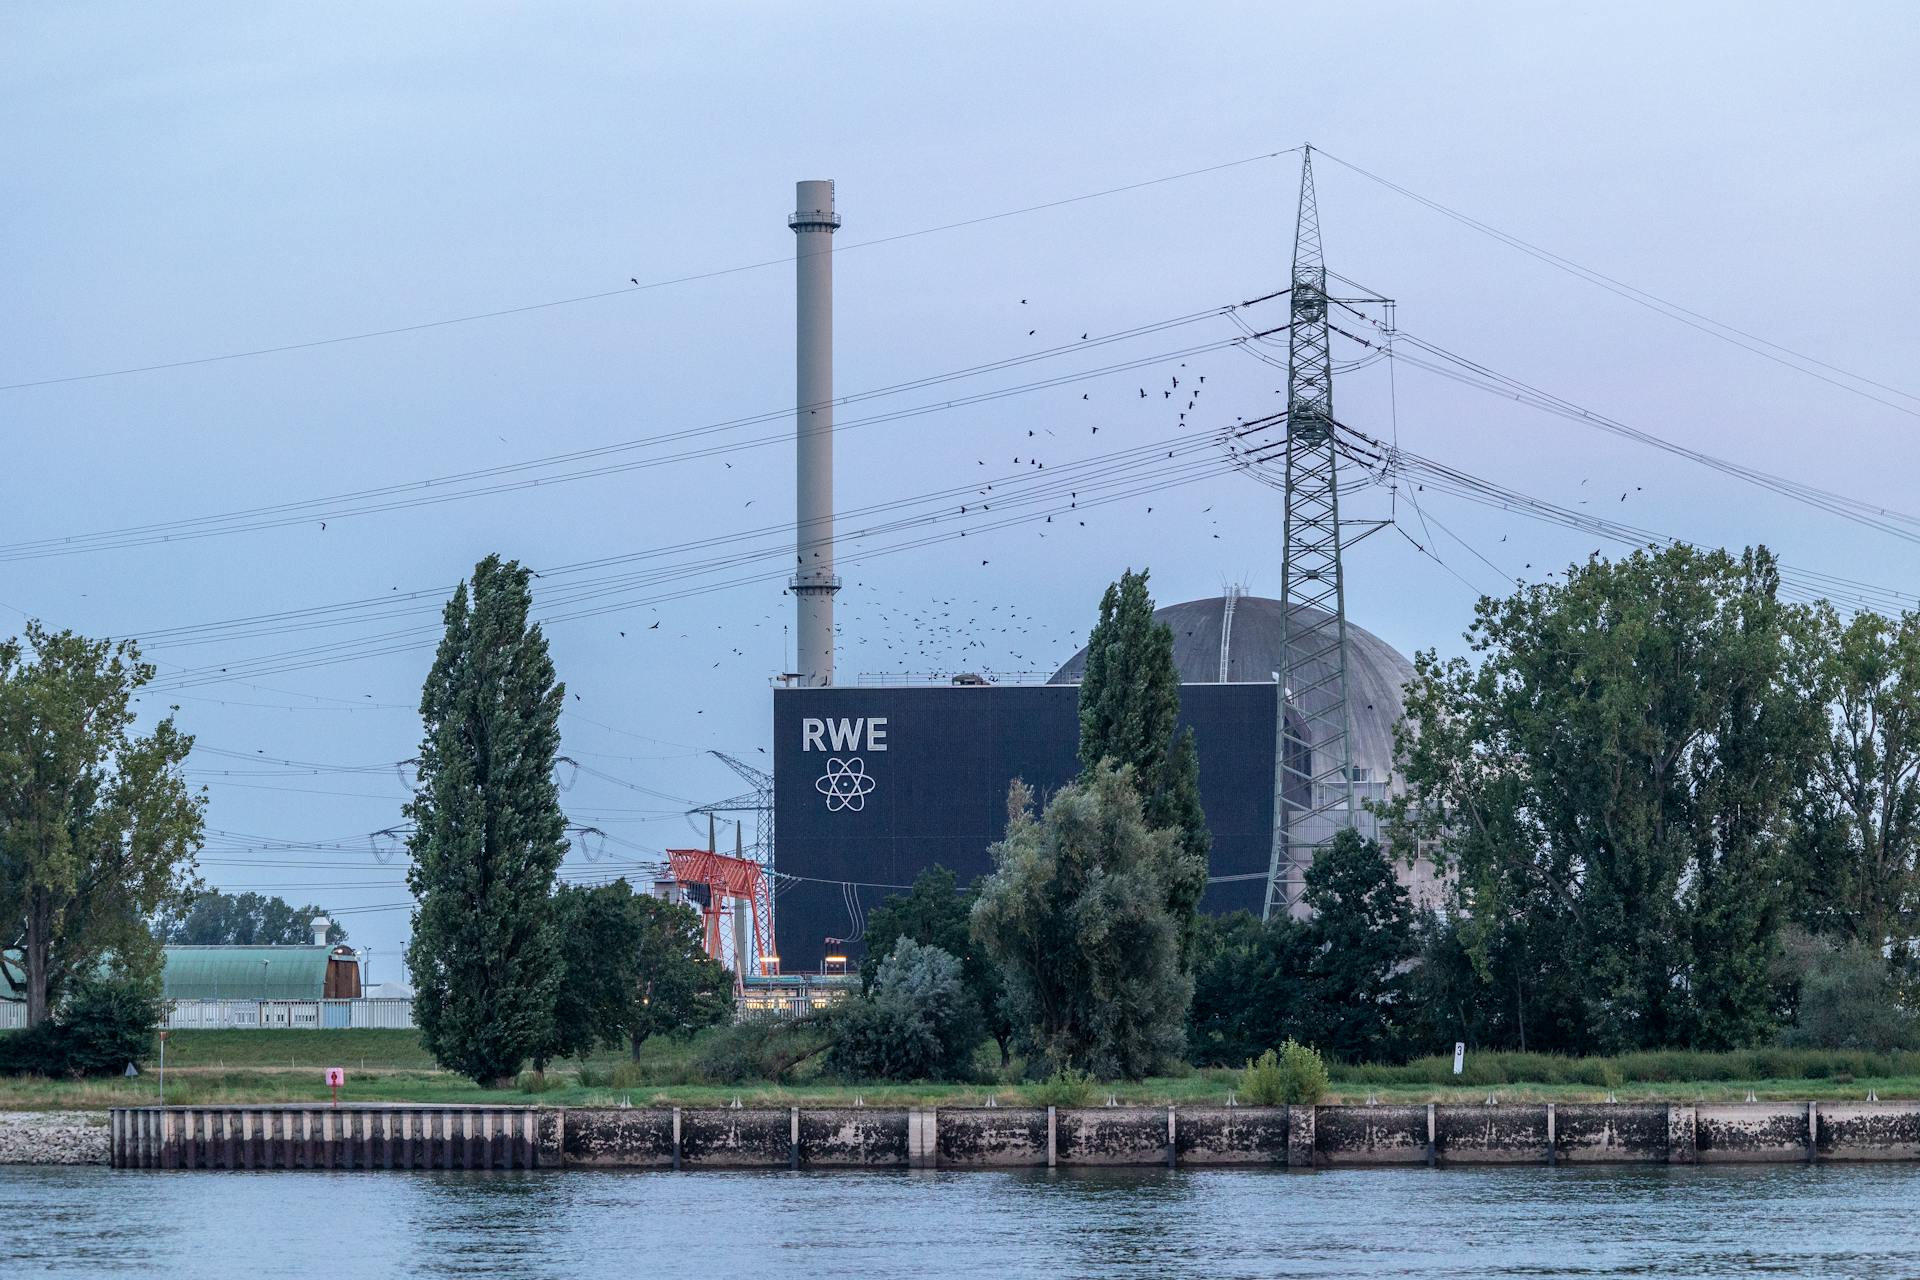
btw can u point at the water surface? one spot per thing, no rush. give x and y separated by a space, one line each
1781 1221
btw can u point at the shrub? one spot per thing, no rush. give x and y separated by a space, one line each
627 1075
592 1077
1295 1074
104 1023
1303 1072
33 1052
1064 1088
531 1081
920 1022
755 1050
1848 1001
108 1022
1261 1083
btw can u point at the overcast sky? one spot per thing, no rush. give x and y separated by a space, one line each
183 181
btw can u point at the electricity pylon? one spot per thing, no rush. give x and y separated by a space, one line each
1313 776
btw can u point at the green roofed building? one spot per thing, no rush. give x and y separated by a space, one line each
261 973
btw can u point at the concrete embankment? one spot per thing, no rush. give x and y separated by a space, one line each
54 1137
1300 1137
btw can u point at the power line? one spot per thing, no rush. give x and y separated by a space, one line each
1458 368
1435 476
412 494
1752 342
1064 475
415 638
600 295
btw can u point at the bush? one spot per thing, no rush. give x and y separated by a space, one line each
756 1050
1304 1072
920 1023
104 1023
627 1075
1064 1088
592 1077
108 1022
33 1052
1296 1074
532 1081
1848 1001
1261 1084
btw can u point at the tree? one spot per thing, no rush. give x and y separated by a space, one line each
488 834
634 967
1610 782
598 960
1847 1000
1337 980
98 829
1859 826
1129 703
938 913
1247 986
1360 941
680 987
919 1022
1076 916
216 919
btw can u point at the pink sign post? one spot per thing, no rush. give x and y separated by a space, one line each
336 1076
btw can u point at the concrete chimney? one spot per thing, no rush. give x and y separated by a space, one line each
320 926
813 585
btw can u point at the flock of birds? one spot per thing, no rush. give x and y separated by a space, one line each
935 636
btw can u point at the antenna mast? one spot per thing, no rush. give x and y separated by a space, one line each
1313 776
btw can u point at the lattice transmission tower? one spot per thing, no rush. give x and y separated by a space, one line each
758 802
1313 781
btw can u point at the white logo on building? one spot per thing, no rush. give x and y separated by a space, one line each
867 733
845 784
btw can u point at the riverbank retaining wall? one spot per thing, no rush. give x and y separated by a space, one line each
1298 1137
54 1137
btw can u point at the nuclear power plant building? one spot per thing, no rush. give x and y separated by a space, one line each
874 784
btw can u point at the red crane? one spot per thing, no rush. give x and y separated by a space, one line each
728 878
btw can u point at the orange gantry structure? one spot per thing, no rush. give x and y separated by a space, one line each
727 878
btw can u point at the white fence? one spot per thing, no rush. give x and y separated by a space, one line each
388 1012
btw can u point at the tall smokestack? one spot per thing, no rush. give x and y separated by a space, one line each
813 223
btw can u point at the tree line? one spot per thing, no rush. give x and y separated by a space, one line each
1669 810
1676 810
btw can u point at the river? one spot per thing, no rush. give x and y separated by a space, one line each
1781 1221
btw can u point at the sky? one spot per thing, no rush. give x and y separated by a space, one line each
187 183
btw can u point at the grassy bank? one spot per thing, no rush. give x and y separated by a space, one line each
214 1067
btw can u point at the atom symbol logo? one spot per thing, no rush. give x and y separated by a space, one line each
845 784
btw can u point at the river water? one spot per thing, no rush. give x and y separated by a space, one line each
1781 1221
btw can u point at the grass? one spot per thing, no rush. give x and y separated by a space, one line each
294 1049
215 1067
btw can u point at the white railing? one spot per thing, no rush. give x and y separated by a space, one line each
387 1012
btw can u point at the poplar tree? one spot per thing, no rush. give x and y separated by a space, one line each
488 834
1129 703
